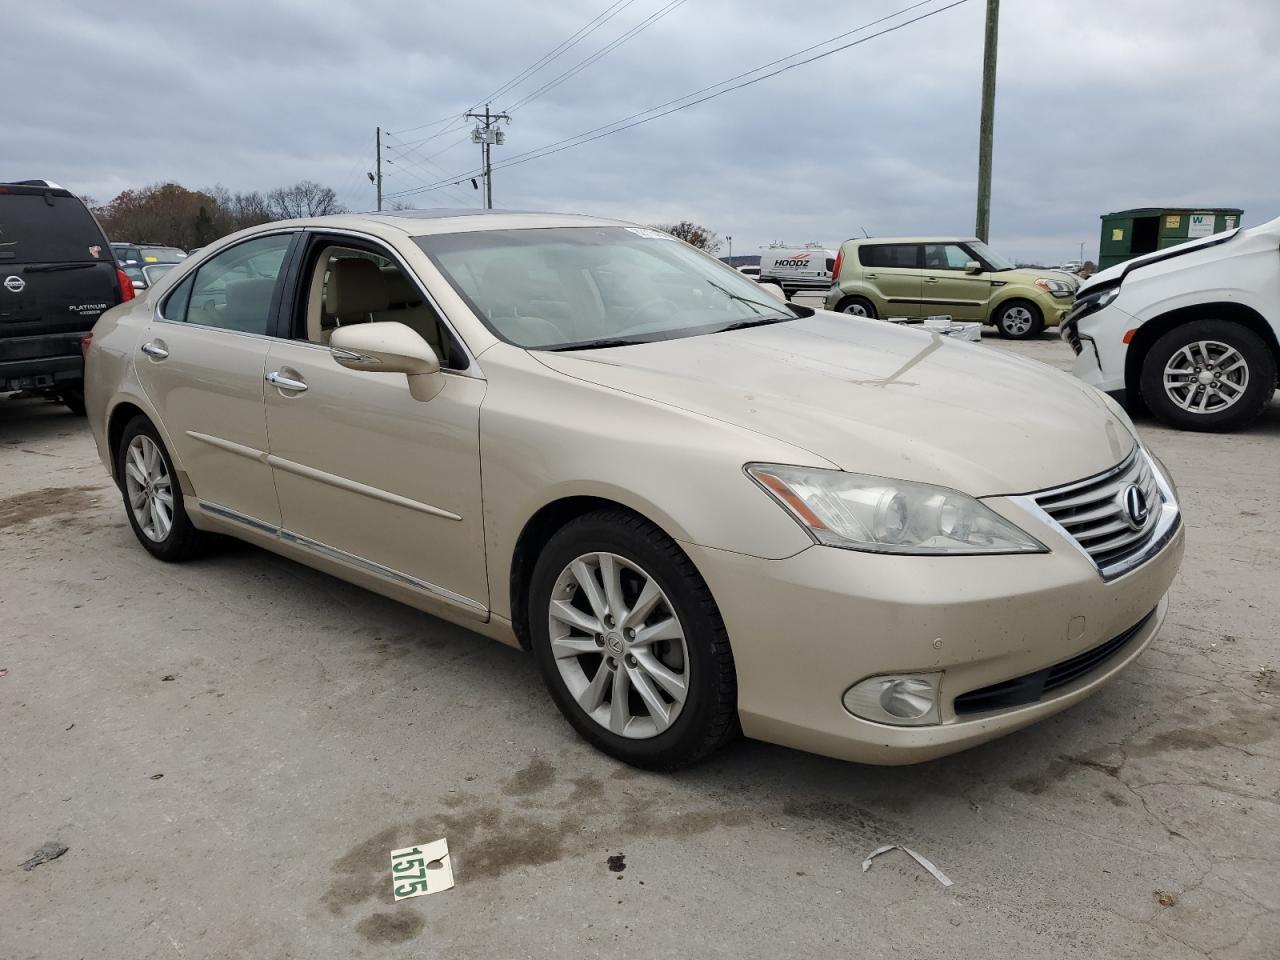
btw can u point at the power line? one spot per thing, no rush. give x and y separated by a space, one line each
583 32
602 52
612 128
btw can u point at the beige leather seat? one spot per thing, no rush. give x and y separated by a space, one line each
356 289
405 305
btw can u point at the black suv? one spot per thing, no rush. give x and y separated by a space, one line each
57 276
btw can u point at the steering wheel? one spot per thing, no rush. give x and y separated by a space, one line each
643 307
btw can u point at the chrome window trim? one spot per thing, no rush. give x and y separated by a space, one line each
317 546
1166 525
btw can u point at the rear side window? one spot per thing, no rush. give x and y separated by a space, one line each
175 308
43 227
234 290
900 255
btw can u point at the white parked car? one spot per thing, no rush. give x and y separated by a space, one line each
1191 330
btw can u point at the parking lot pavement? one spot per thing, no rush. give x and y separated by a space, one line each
230 748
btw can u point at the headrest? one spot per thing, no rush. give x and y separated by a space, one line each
251 297
400 289
356 286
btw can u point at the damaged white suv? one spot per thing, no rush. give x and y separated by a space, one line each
1193 331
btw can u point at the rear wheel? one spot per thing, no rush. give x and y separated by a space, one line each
630 642
152 498
1211 375
73 398
1018 320
858 307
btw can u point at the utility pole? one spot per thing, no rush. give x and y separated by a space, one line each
730 239
378 151
487 133
986 126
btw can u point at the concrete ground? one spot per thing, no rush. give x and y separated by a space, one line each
230 748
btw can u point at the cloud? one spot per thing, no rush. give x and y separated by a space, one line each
1100 107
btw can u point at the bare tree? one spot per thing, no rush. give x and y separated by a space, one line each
693 234
303 199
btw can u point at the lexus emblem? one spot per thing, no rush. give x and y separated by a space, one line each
1134 502
14 284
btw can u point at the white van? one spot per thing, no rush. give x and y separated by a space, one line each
798 269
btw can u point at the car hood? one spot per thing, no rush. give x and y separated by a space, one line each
1118 271
872 397
1031 276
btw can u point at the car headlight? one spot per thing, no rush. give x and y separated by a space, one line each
1094 301
1059 288
859 512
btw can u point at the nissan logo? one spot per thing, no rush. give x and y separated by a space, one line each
14 284
1134 502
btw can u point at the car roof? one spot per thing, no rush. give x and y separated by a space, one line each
951 239
418 223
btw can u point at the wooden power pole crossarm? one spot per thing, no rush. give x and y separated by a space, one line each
986 126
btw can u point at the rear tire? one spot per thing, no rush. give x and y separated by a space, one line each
152 498
1019 320
73 399
1240 368
652 703
858 307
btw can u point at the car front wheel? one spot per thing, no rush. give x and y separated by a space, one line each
630 642
1018 320
1211 375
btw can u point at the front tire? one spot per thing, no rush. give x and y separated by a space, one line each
152 498
631 644
1208 375
1019 320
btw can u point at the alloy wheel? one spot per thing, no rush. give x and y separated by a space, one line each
856 309
149 488
618 645
1017 321
1206 376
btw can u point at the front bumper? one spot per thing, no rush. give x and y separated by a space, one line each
1099 347
806 628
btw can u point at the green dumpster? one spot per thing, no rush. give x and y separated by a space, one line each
1131 233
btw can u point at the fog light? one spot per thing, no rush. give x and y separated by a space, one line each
909 699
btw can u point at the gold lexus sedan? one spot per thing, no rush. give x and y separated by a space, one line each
704 511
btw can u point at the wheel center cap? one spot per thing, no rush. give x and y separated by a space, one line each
613 643
1205 376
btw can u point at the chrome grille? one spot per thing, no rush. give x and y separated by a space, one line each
1069 331
1092 512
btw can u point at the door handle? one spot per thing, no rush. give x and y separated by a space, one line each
930 279
277 379
870 276
155 349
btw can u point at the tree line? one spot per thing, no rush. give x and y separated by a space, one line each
172 215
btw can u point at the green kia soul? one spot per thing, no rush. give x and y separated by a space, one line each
957 276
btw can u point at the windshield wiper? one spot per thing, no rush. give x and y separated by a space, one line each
747 300
756 322
55 267
598 344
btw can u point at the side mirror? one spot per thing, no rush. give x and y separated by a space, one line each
973 266
774 289
389 348
139 285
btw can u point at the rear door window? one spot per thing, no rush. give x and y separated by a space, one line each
236 288
44 227
899 255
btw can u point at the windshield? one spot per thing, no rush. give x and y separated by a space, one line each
570 287
162 255
993 259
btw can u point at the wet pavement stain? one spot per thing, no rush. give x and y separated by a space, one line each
537 776
23 508
398 927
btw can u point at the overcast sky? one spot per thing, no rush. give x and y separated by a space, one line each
1101 105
